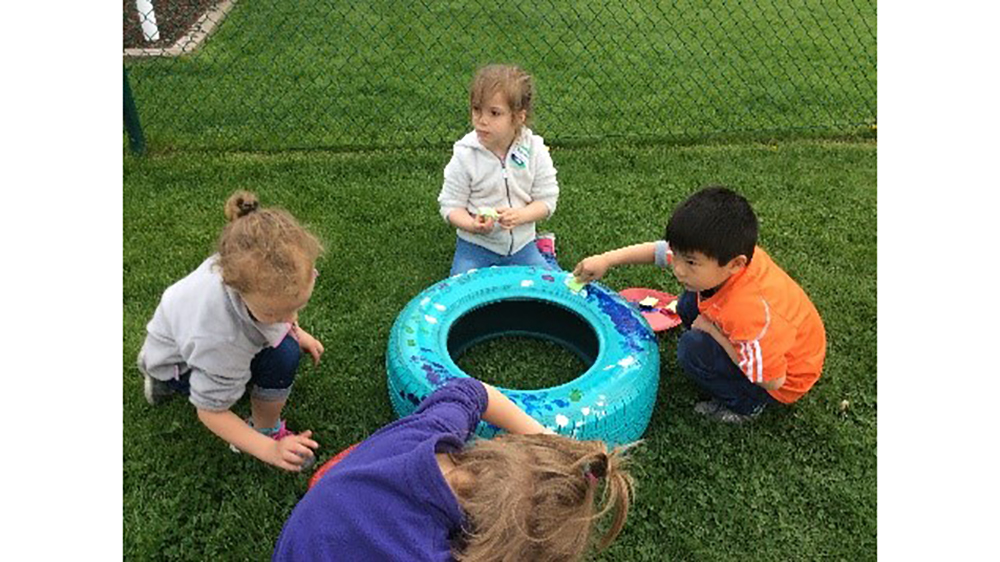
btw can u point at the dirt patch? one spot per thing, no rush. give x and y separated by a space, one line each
173 18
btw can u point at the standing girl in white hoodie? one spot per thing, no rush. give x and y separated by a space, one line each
500 166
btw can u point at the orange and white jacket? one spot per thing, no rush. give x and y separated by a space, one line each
772 324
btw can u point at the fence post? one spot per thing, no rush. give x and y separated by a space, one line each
136 141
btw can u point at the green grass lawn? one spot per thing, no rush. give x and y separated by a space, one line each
797 484
305 74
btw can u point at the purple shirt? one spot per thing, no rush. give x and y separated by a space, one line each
387 500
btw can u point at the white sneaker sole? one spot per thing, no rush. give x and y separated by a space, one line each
147 389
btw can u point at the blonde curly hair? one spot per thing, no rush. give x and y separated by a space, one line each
265 250
538 497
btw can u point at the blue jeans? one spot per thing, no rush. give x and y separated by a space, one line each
709 367
472 256
272 372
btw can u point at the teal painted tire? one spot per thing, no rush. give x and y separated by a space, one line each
612 400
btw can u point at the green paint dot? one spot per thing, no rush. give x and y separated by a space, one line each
575 395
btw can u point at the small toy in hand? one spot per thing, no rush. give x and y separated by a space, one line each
573 284
489 213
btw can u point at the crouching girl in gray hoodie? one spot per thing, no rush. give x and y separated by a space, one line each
231 325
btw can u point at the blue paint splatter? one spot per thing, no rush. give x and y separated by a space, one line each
410 397
435 372
626 322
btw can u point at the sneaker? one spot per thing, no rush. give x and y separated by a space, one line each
546 242
716 410
708 407
156 391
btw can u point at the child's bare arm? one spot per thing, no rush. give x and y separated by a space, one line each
287 453
460 218
503 413
707 326
308 343
773 384
594 267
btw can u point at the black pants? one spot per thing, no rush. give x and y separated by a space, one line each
708 365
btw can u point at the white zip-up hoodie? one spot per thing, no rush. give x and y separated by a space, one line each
475 178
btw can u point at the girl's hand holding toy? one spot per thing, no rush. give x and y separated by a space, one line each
509 218
292 451
482 225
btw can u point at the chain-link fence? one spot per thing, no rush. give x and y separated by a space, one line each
294 74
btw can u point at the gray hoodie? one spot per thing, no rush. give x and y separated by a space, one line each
202 325
475 178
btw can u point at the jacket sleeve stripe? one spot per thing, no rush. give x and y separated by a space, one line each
752 361
760 361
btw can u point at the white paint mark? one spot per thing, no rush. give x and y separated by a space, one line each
627 361
561 420
430 319
527 283
439 306
425 301
585 411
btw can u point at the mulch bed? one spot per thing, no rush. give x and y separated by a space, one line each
173 18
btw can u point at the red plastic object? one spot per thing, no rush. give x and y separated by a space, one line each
658 317
329 464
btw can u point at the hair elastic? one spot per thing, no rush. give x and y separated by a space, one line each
247 207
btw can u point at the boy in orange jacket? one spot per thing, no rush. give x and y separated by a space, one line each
754 338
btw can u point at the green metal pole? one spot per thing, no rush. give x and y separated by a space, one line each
136 141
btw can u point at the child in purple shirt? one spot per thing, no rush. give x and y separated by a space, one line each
415 491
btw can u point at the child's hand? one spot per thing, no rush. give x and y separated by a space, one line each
591 269
293 450
482 225
310 345
710 328
509 218
703 324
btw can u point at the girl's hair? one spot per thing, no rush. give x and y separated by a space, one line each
265 251
515 84
535 497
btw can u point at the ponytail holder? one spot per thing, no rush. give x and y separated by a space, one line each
247 207
596 470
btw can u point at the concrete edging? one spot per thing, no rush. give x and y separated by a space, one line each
196 35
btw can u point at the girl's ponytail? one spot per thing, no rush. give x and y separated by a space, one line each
618 490
240 204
